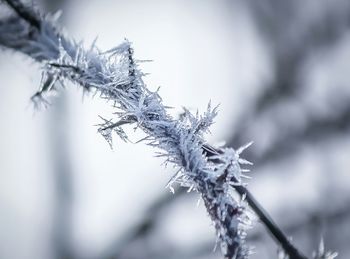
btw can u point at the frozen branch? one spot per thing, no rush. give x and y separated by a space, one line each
115 76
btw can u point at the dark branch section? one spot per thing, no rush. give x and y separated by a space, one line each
26 13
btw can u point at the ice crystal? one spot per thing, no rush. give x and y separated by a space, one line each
322 253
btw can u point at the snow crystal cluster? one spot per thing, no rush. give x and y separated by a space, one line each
115 76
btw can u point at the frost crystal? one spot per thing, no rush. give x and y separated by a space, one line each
322 253
114 75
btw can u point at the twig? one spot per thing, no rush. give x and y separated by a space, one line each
181 140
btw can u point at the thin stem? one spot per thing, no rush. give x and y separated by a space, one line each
117 124
275 231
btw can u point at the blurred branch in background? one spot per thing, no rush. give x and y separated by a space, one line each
294 36
63 185
144 228
291 45
316 131
58 125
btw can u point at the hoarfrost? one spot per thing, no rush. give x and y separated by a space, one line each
115 76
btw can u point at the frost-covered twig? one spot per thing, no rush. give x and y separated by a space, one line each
115 76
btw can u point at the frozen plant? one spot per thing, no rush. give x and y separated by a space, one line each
115 76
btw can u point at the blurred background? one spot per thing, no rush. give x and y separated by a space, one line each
278 69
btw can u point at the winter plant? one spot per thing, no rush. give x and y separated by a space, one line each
214 172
